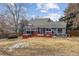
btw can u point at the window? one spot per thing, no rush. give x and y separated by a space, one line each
38 30
47 29
59 30
28 32
54 29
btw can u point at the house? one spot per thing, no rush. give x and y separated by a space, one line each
45 26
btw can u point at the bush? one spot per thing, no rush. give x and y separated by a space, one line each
12 36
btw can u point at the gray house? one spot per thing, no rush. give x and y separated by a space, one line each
45 25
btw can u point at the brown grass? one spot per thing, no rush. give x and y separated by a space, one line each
45 46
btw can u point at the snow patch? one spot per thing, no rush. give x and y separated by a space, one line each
18 45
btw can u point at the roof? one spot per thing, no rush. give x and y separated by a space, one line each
47 23
41 19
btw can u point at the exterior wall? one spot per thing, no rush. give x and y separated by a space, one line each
53 30
57 33
63 32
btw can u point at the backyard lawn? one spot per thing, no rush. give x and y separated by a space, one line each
42 46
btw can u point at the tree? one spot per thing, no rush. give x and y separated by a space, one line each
15 12
67 10
23 23
2 23
3 26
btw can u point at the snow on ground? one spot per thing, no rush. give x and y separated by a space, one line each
19 45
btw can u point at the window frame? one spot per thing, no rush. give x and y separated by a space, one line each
59 30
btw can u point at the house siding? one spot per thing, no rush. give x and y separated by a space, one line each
55 30
63 33
43 26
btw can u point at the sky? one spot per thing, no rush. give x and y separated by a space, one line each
44 10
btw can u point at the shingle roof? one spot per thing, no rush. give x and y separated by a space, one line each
47 23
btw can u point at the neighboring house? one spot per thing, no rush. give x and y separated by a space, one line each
45 25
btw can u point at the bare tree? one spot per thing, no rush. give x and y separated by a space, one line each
15 12
3 26
2 23
23 23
